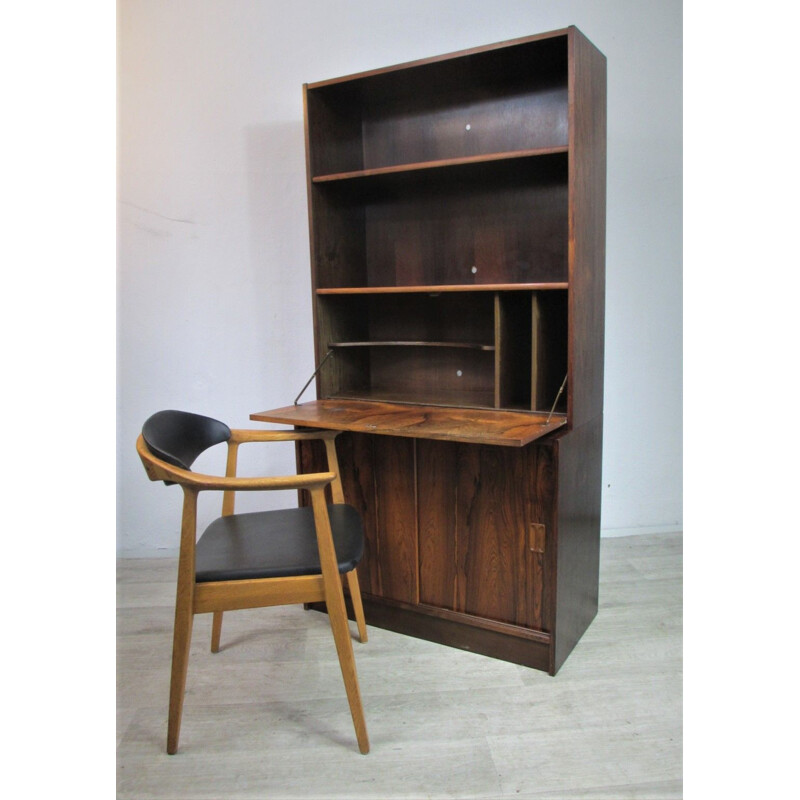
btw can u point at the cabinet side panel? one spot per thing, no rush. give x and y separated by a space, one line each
587 229
578 549
334 124
341 319
336 224
337 238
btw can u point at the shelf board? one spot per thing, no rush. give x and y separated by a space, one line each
471 425
463 345
438 289
439 164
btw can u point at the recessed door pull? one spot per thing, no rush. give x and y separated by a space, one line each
537 538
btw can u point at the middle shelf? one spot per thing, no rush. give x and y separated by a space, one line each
443 164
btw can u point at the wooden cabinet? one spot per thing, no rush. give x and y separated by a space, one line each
457 225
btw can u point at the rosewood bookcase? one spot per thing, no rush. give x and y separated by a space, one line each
457 225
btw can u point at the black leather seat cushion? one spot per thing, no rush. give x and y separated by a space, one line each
275 544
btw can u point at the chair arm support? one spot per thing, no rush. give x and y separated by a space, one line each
158 470
241 435
311 480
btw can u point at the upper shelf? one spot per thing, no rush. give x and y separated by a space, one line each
439 164
474 426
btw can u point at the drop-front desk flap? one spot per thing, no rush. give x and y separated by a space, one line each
477 426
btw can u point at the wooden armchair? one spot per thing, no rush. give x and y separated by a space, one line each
294 555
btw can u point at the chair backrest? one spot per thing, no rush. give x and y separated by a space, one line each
178 437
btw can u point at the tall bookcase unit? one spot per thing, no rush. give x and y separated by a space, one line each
457 226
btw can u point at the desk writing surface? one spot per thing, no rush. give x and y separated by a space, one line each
475 426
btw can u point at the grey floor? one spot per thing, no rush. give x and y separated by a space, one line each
267 716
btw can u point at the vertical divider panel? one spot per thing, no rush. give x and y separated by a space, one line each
536 351
499 344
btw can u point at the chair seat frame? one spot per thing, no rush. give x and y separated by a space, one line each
219 596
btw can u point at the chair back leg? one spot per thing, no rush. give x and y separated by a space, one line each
358 607
216 630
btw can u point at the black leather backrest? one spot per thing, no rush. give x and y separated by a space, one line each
179 437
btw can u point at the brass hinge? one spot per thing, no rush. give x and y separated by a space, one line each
536 539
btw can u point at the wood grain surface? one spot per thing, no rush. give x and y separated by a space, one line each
508 428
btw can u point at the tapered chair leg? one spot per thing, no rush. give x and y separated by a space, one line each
337 615
344 647
181 642
358 607
216 630
184 617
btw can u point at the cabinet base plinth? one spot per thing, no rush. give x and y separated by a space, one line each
528 652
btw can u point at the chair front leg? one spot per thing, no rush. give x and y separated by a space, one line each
337 616
181 642
184 617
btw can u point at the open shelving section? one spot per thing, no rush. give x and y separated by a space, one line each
488 348
475 224
457 234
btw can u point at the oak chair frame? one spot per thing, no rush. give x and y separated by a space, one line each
218 596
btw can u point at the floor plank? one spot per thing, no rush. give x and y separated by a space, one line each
267 715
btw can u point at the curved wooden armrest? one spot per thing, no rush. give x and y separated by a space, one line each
158 470
241 435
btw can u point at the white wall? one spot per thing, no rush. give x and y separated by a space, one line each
214 307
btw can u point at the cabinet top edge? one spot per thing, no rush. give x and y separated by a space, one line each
561 32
